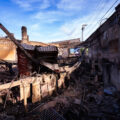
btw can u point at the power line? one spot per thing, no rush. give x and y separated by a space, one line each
92 18
94 25
97 8
110 8
104 15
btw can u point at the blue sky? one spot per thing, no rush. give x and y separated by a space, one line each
53 20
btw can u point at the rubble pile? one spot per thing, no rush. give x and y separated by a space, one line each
86 98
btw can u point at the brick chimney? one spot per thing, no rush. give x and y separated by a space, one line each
24 35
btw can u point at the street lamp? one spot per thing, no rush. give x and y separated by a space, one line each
83 27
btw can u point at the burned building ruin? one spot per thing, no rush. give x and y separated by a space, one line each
48 81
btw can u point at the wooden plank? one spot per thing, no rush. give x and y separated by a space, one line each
17 83
44 90
36 92
22 91
24 94
61 80
25 98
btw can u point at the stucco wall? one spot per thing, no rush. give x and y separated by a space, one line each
7 50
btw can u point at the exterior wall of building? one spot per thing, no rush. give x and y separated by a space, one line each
65 46
7 50
108 44
105 47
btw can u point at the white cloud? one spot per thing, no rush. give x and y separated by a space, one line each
51 16
70 29
32 4
73 28
35 27
70 4
70 13
45 4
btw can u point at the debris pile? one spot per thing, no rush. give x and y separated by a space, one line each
86 98
89 99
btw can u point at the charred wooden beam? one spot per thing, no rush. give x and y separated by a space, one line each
18 44
22 48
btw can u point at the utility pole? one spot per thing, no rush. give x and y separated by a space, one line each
83 27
